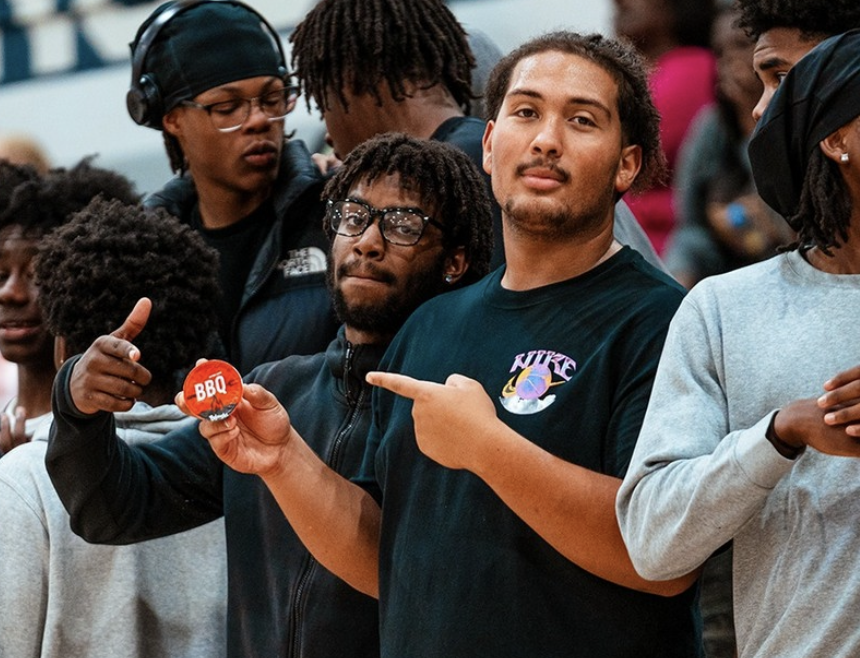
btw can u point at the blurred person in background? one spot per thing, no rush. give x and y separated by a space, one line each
785 30
722 223
19 149
37 206
11 175
674 38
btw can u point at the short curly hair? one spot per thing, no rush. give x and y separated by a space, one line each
816 19
11 176
92 271
444 177
640 120
42 203
345 44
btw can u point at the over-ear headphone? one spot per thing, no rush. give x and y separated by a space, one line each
143 100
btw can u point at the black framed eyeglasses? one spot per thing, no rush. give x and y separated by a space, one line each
230 115
400 226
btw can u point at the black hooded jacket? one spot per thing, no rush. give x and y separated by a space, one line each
285 307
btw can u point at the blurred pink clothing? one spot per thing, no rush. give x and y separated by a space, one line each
682 83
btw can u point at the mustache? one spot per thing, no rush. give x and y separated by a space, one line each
354 267
543 163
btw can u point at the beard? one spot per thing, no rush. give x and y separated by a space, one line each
541 220
386 316
550 225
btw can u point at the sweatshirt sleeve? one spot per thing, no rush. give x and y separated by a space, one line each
121 494
692 484
23 570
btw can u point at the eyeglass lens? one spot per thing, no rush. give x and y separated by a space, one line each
400 227
233 113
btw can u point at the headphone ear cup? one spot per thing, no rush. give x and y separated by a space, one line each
143 99
143 102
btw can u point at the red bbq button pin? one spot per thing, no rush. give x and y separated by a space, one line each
212 390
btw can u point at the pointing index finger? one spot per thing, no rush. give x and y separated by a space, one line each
408 387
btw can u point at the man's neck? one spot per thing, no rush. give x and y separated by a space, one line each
843 261
532 263
220 208
34 388
421 113
846 258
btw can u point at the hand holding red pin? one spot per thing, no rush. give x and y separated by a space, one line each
212 390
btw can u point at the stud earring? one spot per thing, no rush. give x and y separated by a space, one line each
448 278
843 158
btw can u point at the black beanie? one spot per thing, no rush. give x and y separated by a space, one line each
819 95
207 45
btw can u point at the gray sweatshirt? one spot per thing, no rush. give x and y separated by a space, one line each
61 597
742 345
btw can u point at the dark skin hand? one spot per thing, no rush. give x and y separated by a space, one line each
801 423
841 401
828 423
12 434
108 376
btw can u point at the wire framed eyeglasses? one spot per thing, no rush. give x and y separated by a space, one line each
230 115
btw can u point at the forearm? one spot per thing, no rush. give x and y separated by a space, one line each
80 451
570 507
118 494
676 509
336 520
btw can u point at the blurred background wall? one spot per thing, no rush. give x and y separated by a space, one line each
65 70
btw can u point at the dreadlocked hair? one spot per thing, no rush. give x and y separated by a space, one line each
816 19
92 271
824 212
348 45
640 120
43 203
445 179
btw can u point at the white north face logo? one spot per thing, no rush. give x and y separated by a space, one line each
303 261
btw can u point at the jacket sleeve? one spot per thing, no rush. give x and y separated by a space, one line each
121 494
692 484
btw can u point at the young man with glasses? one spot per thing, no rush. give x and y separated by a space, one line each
396 241
211 76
